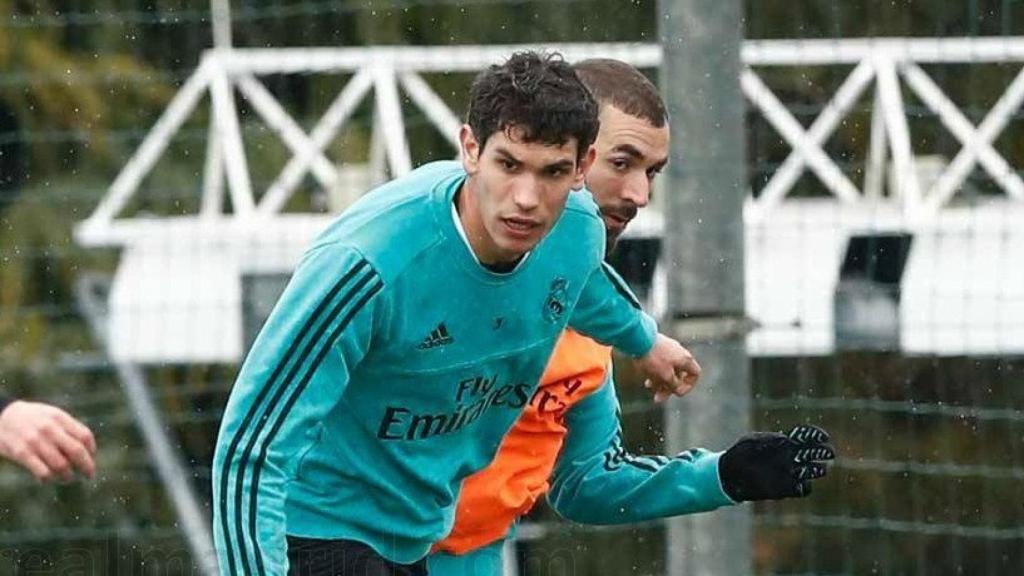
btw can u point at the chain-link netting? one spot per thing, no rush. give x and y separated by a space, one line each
885 261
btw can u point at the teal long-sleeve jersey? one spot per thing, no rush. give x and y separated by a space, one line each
391 368
597 481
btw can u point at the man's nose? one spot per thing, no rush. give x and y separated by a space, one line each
526 194
638 190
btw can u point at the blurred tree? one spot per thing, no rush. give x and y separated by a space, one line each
60 108
49 87
81 81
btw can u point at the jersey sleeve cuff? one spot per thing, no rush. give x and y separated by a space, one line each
639 339
711 481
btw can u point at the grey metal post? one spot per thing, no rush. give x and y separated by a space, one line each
220 16
705 188
213 172
167 460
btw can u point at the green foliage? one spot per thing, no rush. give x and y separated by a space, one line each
54 88
39 264
84 81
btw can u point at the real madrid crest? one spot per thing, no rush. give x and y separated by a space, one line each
557 299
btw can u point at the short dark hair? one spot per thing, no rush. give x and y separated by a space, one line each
623 86
538 93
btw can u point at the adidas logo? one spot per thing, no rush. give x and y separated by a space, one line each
438 337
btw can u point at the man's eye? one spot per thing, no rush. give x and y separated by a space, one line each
620 164
507 164
652 173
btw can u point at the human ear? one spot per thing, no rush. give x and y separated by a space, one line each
583 166
470 149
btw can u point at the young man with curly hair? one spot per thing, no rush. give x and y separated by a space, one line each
414 332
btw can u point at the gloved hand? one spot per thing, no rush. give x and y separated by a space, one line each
771 466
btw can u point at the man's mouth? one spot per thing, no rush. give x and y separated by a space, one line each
616 219
520 226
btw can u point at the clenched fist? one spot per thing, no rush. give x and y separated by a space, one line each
669 368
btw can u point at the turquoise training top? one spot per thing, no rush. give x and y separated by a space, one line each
597 481
391 368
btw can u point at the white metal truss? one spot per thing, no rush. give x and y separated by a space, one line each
385 70
239 230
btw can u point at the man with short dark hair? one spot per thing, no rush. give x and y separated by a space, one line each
412 334
568 441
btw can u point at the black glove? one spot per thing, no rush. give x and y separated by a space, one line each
770 466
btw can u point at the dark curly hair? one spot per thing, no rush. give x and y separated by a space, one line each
538 93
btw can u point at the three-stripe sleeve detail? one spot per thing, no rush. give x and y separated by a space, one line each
616 455
620 285
374 288
358 285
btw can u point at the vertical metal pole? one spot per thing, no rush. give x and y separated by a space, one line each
169 464
705 189
213 173
220 15
874 177
509 562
